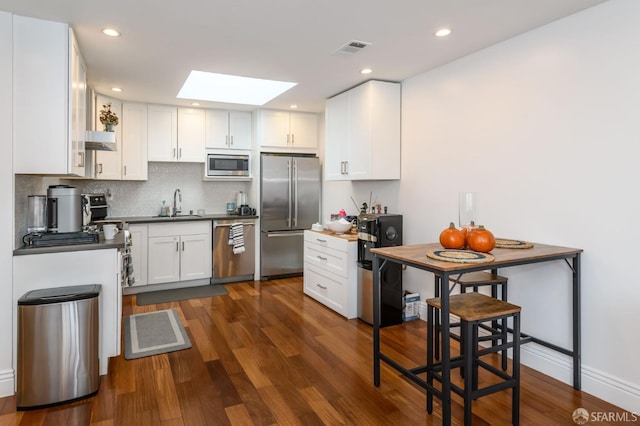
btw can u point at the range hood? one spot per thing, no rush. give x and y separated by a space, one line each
100 141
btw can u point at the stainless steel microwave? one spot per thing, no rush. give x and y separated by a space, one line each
228 165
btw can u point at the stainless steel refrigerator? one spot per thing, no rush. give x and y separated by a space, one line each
289 204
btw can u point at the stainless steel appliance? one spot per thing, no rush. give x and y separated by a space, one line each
219 165
64 209
379 230
58 332
94 208
289 204
227 265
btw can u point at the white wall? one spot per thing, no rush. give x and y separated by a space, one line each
6 213
545 127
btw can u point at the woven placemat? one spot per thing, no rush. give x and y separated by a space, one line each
460 256
512 244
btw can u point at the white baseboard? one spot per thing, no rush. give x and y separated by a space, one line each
614 390
7 383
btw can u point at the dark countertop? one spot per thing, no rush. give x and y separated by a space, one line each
116 243
182 218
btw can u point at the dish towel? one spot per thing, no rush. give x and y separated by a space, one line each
236 238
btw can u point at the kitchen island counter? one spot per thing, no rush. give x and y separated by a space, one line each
117 243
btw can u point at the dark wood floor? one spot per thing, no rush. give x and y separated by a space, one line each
266 354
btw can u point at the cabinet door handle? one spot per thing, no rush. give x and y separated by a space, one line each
180 153
293 138
342 167
226 140
174 153
183 246
99 168
321 286
321 257
346 167
177 246
125 170
81 159
231 140
288 138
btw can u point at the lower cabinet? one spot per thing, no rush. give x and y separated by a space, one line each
178 252
330 271
139 253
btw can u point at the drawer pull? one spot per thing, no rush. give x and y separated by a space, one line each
321 257
321 241
321 286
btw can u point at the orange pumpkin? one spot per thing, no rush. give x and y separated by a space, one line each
481 240
452 238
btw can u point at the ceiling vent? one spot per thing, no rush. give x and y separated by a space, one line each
354 46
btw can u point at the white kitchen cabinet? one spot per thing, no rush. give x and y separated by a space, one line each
129 160
178 134
284 129
228 129
179 252
139 252
40 271
330 271
191 135
162 132
134 141
49 99
108 164
363 133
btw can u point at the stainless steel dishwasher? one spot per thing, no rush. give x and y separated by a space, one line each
227 265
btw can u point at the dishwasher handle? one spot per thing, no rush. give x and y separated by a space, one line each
225 225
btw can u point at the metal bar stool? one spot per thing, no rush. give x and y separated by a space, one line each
473 309
475 280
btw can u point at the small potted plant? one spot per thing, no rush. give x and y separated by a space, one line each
108 118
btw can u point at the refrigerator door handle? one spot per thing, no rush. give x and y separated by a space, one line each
294 183
289 193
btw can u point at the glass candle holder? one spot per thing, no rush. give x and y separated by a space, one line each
467 209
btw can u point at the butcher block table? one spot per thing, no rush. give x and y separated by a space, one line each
416 256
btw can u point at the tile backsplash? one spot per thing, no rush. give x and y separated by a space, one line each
139 198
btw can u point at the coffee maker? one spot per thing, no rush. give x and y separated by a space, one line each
64 209
379 230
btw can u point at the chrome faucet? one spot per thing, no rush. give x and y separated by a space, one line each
177 196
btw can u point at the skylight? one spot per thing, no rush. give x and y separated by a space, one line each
206 86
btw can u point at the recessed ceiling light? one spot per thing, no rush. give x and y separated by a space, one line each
195 103
366 71
294 106
116 89
110 32
443 32
206 86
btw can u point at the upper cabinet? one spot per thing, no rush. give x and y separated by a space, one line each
129 160
284 129
162 132
228 129
176 134
191 135
108 164
49 99
363 133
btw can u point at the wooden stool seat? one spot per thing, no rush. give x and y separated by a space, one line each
479 278
475 280
474 309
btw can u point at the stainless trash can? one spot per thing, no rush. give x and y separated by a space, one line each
58 334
